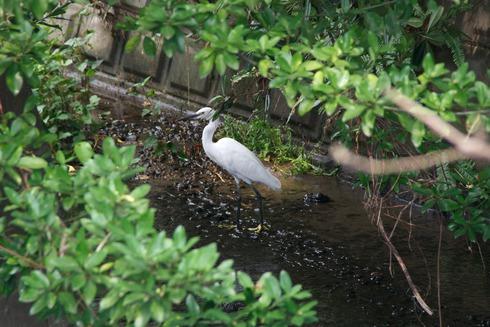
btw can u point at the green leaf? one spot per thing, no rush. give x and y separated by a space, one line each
83 151
31 162
263 41
168 31
305 106
428 64
78 281
285 281
264 65
14 80
89 292
271 287
368 120
149 46
245 280
39 7
354 110
192 305
60 157
312 65
142 318
203 54
68 302
95 259
132 43
39 305
434 17
231 61
65 263
157 311
330 106
418 133
141 191
345 5
220 64
109 300
41 278
415 22
448 205
206 66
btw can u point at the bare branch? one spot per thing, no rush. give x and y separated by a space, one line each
31 263
348 159
472 147
465 146
416 294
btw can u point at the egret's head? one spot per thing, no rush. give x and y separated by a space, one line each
205 113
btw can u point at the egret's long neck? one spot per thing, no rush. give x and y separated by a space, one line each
207 134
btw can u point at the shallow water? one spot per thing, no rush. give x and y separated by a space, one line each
335 252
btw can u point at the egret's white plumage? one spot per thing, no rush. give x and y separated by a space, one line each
235 158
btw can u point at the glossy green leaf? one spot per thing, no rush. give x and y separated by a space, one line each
32 162
149 46
83 151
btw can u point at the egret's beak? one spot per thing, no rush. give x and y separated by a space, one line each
188 117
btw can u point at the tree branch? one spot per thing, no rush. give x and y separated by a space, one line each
472 147
465 146
31 263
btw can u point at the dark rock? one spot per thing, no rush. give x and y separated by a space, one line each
316 197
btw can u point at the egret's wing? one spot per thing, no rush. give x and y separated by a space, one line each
239 161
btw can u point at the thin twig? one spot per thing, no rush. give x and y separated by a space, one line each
402 265
103 242
63 245
28 261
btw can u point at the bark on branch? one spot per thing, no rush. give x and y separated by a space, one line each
465 146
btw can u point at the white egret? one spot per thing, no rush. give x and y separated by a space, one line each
236 159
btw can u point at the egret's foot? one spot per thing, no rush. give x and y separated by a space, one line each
259 228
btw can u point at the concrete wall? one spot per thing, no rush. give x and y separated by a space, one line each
176 79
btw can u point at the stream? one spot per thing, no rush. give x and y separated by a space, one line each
334 251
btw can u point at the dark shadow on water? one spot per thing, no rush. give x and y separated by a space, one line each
335 252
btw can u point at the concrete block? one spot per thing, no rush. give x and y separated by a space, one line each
69 23
308 125
135 3
101 43
183 77
139 63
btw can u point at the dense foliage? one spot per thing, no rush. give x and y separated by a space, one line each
271 143
338 57
75 240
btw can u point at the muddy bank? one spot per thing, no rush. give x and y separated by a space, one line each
331 248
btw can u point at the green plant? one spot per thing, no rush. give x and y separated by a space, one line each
77 243
271 143
463 192
338 58
83 245
67 109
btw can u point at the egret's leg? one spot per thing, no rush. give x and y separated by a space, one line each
239 202
259 198
259 202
